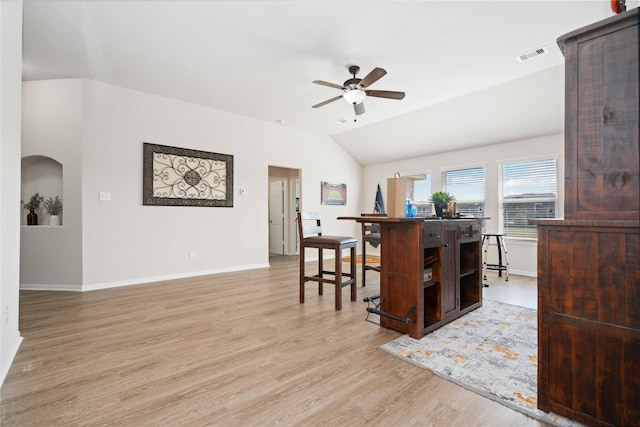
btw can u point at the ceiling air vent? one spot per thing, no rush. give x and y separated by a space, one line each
532 54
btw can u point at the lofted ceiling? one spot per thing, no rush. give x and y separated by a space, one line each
456 61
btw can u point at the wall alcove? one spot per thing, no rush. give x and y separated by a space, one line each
43 175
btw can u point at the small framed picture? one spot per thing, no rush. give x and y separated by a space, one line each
333 194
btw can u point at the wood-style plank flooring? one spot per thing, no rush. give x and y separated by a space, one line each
231 349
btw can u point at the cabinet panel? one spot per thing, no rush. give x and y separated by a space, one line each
631 282
602 153
588 334
449 271
585 283
602 391
401 269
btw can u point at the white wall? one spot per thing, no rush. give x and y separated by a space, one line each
522 253
10 87
52 127
124 242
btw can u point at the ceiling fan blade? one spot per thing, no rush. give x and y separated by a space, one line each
323 83
335 98
373 76
385 94
358 108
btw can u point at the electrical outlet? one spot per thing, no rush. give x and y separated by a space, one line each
192 254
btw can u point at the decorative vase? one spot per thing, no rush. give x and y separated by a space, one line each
54 220
439 207
32 218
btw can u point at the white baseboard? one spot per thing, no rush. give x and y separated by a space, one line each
47 287
523 273
139 281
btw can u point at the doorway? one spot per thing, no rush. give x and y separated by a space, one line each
284 202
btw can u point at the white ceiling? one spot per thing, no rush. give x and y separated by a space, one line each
456 61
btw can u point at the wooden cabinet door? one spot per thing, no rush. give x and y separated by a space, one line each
450 270
601 122
589 330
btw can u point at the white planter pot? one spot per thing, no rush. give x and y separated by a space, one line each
54 220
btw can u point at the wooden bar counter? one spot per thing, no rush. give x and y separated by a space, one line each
430 271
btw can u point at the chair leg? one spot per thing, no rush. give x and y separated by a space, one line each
506 260
338 277
364 263
301 274
484 258
499 246
354 287
320 271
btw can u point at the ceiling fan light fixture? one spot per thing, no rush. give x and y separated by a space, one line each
355 90
354 96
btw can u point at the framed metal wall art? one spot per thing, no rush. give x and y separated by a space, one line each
175 176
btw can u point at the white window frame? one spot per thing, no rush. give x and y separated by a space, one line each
481 199
542 199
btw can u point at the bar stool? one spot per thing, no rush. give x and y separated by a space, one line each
371 235
502 255
311 237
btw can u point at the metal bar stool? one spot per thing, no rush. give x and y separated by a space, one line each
503 262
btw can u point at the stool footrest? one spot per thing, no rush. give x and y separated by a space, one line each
496 267
319 279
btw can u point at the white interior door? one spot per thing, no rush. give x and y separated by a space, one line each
276 215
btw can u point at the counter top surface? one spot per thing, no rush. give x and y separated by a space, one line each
382 219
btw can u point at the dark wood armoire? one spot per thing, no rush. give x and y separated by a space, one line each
589 262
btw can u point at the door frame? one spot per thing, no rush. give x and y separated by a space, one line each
292 200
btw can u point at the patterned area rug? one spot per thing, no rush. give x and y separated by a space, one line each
492 351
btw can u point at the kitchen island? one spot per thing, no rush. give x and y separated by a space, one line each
430 271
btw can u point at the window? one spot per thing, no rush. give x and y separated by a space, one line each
467 186
529 190
419 191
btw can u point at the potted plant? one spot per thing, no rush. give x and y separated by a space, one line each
440 199
54 207
32 206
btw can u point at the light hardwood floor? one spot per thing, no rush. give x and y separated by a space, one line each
230 349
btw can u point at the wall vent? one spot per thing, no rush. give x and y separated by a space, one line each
532 54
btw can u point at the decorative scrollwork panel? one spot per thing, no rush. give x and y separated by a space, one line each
175 176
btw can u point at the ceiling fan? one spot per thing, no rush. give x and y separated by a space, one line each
355 89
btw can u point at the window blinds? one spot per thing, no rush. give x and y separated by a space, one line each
468 187
529 191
